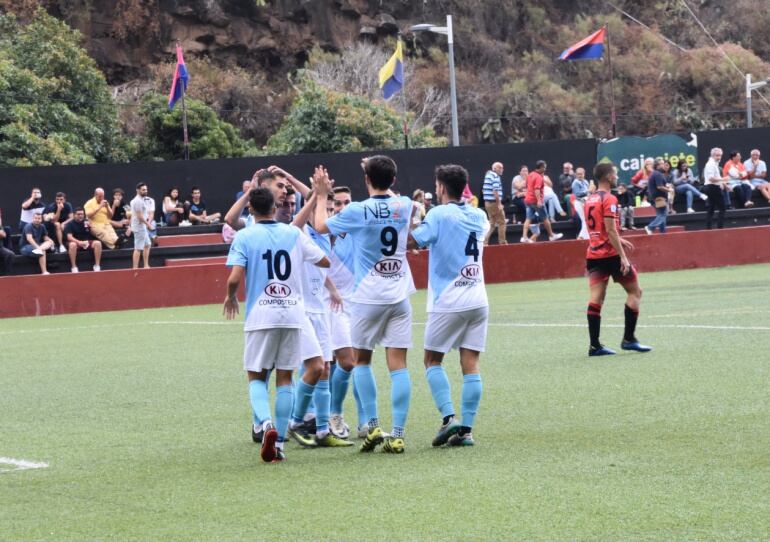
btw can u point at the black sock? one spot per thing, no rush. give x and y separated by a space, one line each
594 314
629 335
447 418
464 430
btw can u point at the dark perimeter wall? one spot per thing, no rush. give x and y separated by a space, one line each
221 179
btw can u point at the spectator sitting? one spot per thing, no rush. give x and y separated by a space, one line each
418 196
197 209
641 178
757 172
55 217
79 238
121 211
626 202
518 191
99 213
29 206
6 254
580 190
551 200
684 183
428 201
565 180
739 179
174 212
35 241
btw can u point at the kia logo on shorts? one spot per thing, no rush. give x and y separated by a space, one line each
471 272
389 266
278 290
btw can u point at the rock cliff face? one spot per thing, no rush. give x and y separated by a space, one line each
125 36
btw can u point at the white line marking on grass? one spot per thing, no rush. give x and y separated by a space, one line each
20 464
72 328
196 323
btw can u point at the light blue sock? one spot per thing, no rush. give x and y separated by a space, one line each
332 368
340 381
322 398
284 397
359 405
303 393
260 402
400 394
471 397
367 389
439 387
311 407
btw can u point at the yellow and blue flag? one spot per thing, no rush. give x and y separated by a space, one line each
392 73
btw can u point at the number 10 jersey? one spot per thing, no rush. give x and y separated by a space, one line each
454 233
378 228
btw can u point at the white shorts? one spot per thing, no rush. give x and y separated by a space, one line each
320 323
309 345
340 328
142 238
466 329
386 325
276 348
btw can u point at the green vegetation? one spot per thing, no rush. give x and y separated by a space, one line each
55 106
149 439
209 136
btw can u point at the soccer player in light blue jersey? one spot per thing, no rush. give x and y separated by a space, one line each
458 309
269 256
379 303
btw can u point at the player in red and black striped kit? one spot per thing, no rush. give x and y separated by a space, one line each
605 258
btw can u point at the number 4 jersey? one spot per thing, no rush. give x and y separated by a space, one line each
378 228
455 235
273 255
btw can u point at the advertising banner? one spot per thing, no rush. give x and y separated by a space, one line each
629 153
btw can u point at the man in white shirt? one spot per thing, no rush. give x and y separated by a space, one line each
714 186
757 171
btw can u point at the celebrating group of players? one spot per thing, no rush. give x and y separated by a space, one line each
323 291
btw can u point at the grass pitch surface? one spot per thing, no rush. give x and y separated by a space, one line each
143 418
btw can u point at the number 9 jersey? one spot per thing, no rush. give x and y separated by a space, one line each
455 234
378 227
273 255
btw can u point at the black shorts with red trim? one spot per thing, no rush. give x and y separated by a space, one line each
601 269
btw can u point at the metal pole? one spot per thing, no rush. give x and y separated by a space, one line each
184 125
452 85
612 84
748 101
403 96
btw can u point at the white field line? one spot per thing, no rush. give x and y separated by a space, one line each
20 464
71 328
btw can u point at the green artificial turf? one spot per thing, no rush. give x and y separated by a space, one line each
144 420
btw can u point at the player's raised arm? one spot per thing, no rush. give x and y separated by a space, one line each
298 185
306 212
233 215
322 187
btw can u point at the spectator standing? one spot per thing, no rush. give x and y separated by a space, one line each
534 201
78 235
493 203
35 241
197 209
518 192
120 213
6 254
715 186
141 226
641 179
55 217
757 174
174 212
659 188
418 197
34 203
580 188
684 183
99 214
626 202
427 201
738 179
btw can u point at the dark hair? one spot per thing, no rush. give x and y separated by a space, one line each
524 166
119 191
733 154
381 171
61 195
682 163
290 191
454 178
602 170
79 209
265 176
194 188
140 185
261 200
539 164
341 190
172 189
